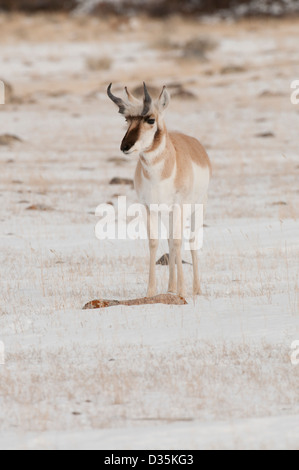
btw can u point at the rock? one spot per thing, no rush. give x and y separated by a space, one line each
265 135
167 299
164 260
126 181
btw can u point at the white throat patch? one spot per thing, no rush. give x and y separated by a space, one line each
150 155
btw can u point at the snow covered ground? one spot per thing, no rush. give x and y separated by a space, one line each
216 373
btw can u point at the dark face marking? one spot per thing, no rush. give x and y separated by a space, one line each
132 134
136 125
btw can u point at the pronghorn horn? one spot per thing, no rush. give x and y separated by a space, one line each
118 101
131 98
147 101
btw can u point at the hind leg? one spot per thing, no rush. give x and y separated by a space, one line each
152 228
172 286
197 218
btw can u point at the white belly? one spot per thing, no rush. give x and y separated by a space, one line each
200 186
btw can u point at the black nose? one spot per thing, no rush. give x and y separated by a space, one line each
125 147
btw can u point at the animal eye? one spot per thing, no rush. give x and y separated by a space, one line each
151 121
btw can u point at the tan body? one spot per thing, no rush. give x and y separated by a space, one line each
183 162
172 169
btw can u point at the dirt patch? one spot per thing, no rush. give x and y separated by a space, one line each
121 181
280 203
98 63
231 69
153 91
182 94
117 160
39 207
270 94
265 135
197 48
9 139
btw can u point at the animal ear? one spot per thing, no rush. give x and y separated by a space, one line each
164 100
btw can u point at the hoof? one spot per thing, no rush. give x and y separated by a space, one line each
151 293
182 293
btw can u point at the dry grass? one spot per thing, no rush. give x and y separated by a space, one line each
196 48
198 383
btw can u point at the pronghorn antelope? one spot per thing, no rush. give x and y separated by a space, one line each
172 169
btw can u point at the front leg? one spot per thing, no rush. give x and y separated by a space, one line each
172 286
152 229
196 282
152 283
178 240
181 290
196 225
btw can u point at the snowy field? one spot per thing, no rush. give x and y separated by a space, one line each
216 373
